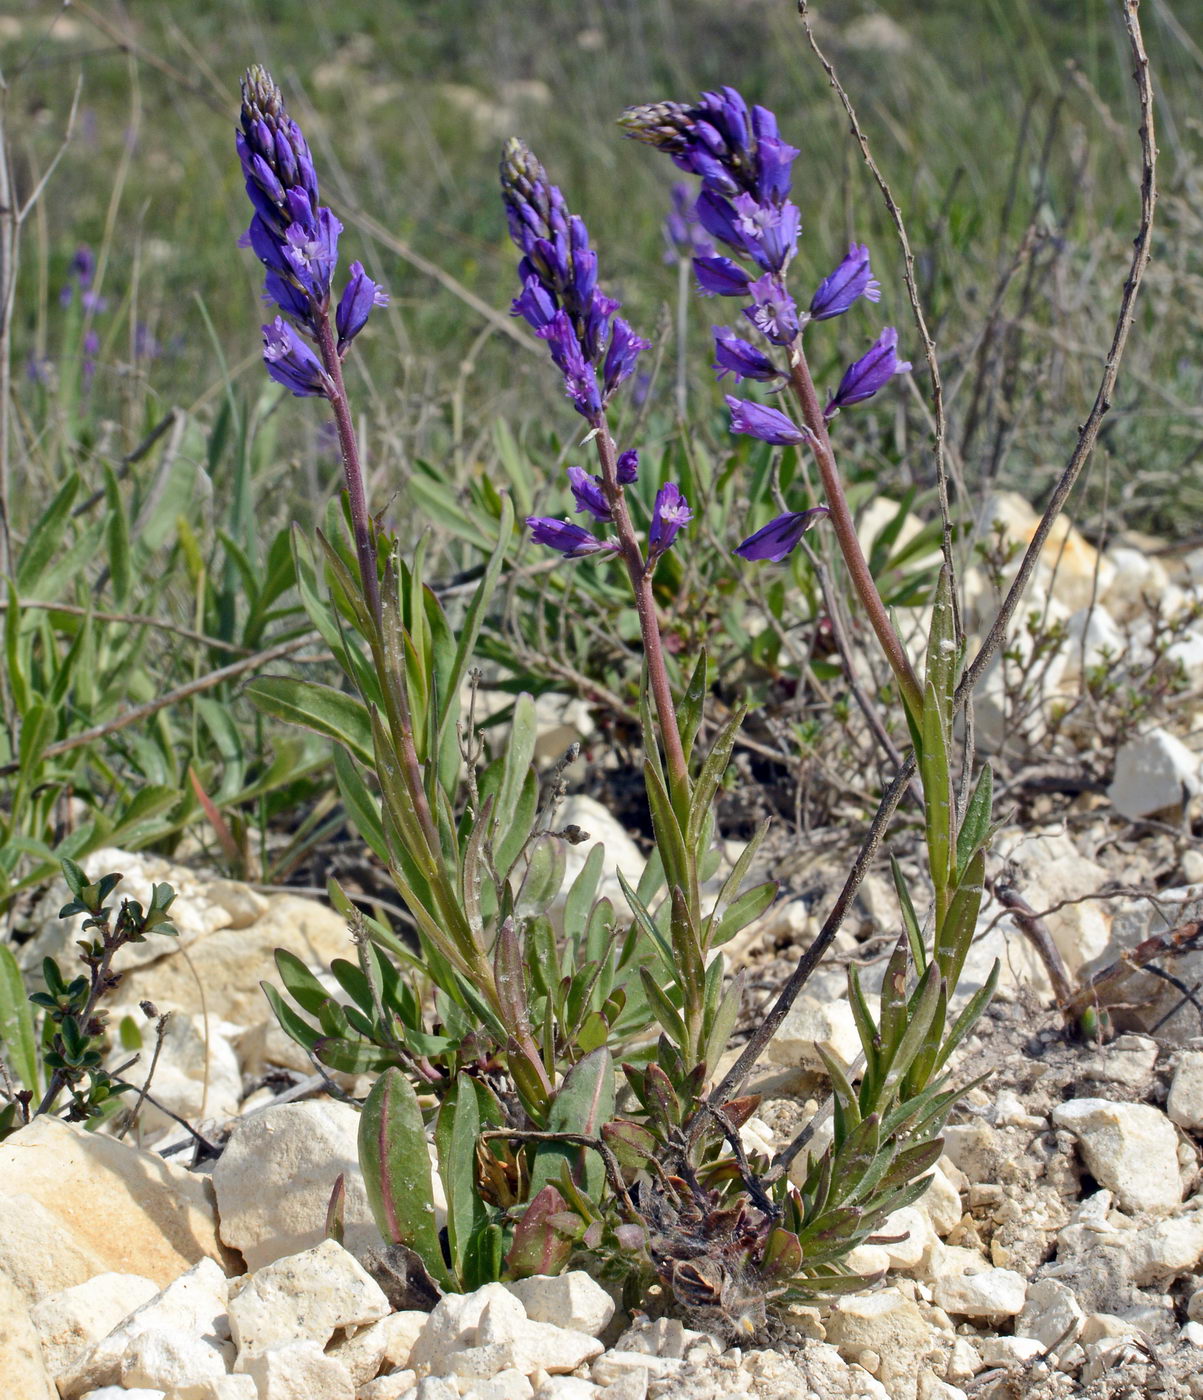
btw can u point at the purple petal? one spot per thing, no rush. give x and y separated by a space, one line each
768 424
870 373
570 540
670 512
851 280
780 536
740 358
588 494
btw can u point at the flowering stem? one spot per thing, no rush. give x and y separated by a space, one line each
640 574
365 542
365 549
846 537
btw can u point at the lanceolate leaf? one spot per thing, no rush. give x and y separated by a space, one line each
395 1159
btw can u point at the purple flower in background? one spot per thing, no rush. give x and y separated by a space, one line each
852 279
560 298
572 541
682 232
628 467
780 536
670 512
720 277
768 424
773 312
740 358
146 346
80 274
355 305
588 494
870 373
291 362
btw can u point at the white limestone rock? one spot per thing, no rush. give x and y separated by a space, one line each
810 1023
889 1325
990 1294
22 1364
1185 1103
571 1300
1131 1149
158 1218
70 1321
1139 581
298 1370
303 1297
173 1361
1051 1314
453 1324
386 1343
193 1306
1161 1252
274 1179
567 1388
1154 773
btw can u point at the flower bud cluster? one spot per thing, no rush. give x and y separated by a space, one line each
295 238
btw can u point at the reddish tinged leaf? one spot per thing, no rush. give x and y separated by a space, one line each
540 1245
782 1257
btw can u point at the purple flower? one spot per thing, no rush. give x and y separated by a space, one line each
536 305
780 536
873 370
355 305
768 424
740 358
291 362
774 314
720 277
670 512
294 237
852 279
560 295
733 150
588 494
624 350
580 378
572 541
628 467
80 273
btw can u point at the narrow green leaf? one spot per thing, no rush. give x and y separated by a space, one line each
975 829
456 1132
17 1038
710 777
318 707
582 1104
689 715
910 920
960 923
47 537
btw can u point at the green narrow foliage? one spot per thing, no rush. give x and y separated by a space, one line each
18 1041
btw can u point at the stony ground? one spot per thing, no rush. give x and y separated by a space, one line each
1058 1251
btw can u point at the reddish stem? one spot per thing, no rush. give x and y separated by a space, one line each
846 537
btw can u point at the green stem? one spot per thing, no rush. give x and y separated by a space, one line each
846 537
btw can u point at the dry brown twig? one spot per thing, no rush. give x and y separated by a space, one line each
1088 433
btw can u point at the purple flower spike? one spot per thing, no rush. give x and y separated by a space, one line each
774 314
588 494
870 373
720 277
768 424
291 362
355 305
669 514
628 467
572 541
740 358
780 536
851 280
625 348
560 294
